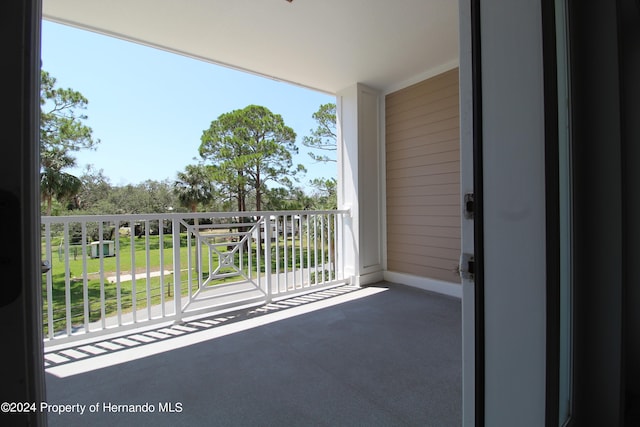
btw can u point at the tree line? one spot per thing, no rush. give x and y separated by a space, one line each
98 196
245 163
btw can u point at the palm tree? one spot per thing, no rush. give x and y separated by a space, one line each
193 187
58 184
54 182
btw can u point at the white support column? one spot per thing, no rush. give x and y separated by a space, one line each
359 182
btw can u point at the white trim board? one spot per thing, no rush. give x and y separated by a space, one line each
368 278
432 72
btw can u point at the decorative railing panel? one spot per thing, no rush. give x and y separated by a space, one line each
113 272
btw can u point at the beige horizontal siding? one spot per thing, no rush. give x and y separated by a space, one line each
424 130
421 121
421 109
434 138
434 221
424 200
423 178
424 210
436 83
426 170
422 231
426 159
440 179
422 270
409 153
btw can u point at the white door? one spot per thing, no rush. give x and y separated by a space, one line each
467 226
503 164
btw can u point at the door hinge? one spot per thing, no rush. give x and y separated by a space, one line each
469 202
467 267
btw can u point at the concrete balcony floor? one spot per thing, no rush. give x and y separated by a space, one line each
383 355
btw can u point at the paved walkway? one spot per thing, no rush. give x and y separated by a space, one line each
139 276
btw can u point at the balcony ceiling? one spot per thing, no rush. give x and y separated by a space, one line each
326 45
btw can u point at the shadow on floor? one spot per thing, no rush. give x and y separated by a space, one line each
392 358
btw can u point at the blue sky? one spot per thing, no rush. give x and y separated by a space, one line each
149 107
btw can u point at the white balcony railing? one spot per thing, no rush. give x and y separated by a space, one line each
114 272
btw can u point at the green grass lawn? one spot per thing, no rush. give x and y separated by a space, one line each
144 292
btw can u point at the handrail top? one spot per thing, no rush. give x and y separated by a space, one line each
185 215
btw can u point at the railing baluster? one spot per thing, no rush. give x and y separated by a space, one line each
177 292
103 311
315 249
210 257
85 277
322 244
118 284
249 255
236 237
67 278
329 261
277 254
308 250
49 258
339 230
190 265
285 237
258 255
133 271
331 218
301 255
293 251
148 267
267 256
240 250
198 261
161 249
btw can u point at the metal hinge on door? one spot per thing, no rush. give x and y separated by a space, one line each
467 267
469 202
